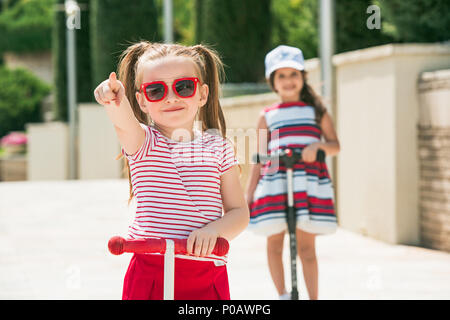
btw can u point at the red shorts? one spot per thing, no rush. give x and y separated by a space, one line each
194 280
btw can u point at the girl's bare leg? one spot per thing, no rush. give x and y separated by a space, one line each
307 252
275 261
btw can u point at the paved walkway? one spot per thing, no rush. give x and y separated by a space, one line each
54 238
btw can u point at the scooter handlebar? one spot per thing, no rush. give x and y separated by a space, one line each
289 152
118 245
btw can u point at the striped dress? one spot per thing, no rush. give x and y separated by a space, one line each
177 185
293 125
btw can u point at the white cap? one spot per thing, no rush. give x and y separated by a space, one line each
284 57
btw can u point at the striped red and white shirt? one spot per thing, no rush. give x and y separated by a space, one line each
177 185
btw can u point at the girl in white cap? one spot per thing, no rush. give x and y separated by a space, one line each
299 120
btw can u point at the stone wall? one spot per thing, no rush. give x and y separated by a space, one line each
434 159
377 103
13 168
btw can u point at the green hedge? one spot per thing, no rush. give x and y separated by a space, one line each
240 31
25 26
21 94
5 4
296 23
351 26
114 25
416 21
83 60
183 21
244 31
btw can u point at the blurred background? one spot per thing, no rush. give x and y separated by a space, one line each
389 94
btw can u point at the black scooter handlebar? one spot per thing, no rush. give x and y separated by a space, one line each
287 155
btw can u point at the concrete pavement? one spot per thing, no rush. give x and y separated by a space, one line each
54 236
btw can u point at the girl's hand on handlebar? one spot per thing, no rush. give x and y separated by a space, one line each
109 91
201 242
309 153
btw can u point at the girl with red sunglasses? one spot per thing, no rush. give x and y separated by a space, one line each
185 180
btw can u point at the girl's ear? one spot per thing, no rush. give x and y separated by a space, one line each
204 92
141 101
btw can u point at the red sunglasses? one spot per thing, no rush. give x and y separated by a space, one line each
157 90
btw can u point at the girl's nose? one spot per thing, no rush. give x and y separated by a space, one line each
171 95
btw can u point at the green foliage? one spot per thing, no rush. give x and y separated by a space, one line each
240 31
25 26
295 23
21 94
8 4
183 21
351 26
416 21
83 60
114 25
199 21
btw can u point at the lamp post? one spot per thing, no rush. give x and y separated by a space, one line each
327 48
72 22
327 27
168 21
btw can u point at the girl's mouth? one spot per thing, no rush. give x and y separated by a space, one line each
173 109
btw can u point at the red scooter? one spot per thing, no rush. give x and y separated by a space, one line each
169 247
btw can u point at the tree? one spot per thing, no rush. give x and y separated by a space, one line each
25 25
115 24
240 31
416 21
351 26
83 59
296 23
21 94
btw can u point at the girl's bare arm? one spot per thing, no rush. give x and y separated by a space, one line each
111 94
331 146
262 133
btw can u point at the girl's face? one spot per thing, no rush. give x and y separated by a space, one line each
172 112
288 82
